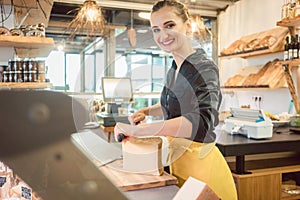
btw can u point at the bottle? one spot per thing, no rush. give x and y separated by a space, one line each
286 49
297 8
291 43
284 10
296 48
291 7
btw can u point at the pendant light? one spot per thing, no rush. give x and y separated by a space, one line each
131 32
89 18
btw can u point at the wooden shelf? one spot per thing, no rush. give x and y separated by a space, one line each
294 22
286 196
265 179
33 85
241 88
250 54
28 47
292 63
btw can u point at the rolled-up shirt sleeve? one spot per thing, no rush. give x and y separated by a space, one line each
203 113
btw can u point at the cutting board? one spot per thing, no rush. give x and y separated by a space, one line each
135 181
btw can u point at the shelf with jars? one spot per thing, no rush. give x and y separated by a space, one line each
290 14
22 74
28 47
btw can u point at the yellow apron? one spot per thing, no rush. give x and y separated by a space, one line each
203 162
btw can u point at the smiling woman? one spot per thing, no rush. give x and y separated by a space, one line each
189 104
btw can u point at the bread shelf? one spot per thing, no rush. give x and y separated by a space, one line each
33 85
28 47
266 42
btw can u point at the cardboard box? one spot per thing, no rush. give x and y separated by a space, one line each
194 189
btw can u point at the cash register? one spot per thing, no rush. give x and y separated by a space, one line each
116 92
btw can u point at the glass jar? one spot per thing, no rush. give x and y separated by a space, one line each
32 71
19 76
295 120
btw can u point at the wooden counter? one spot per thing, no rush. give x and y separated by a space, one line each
102 152
262 178
239 145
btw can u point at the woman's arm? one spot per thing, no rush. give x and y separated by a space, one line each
176 127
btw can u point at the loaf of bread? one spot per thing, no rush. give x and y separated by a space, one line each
250 80
268 41
236 80
253 44
270 75
271 72
236 47
143 155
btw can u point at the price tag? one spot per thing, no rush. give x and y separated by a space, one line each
2 181
26 193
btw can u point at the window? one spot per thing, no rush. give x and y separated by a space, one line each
56 68
89 73
73 79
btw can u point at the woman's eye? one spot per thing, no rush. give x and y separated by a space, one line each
169 26
155 30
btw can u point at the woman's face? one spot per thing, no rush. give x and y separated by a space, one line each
169 30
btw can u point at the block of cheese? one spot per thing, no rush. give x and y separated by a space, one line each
143 155
196 190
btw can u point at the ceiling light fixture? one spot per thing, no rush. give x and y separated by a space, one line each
89 20
131 32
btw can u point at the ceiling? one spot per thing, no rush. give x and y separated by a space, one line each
118 15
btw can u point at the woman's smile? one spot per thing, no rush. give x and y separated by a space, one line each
167 42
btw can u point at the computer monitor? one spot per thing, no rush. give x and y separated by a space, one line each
116 90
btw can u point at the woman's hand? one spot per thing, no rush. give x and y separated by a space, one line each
138 116
121 128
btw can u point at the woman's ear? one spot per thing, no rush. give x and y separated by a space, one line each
189 29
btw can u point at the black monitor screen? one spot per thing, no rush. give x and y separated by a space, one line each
117 90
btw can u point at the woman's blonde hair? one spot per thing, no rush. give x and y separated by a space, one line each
181 10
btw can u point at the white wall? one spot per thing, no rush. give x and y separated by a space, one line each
243 18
